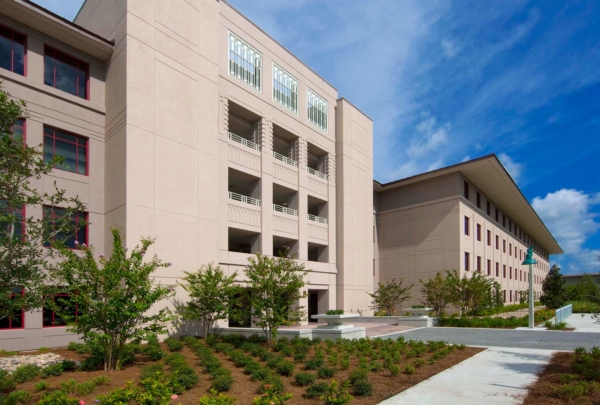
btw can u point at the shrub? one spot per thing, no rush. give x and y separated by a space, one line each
260 374
85 388
575 389
357 375
183 379
345 364
274 383
68 386
335 312
409 369
362 388
304 379
418 306
326 372
80 348
156 391
285 367
68 365
271 396
174 345
222 383
16 397
299 357
57 398
152 370
217 399
419 362
317 389
394 369
52 370
119 396
25 372
152 349
91 363
336 394
40 386
375 366
7 383
585 307
314 363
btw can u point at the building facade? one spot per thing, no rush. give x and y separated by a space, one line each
185 122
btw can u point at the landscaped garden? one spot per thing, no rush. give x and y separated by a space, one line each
570 378
192 371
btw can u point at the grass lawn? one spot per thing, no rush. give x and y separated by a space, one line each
240 367
570 378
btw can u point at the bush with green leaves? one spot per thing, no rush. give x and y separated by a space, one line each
174 345
16 397
57 398
183 377
554 289
357 375
389 296
314 364
336 394
303 379
52 370
316 390
408 369
362 388
334 312
119 396
25 372
222 383
7 383
40 386
214 398
271 396
152 348
326 372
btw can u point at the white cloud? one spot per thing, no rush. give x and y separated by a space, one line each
450 48
438 164
428 137
513 168
569 216
466 159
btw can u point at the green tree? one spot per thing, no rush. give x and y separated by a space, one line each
554 289
389 296
275 284
471 293
23 259
436 294
115 296
585 290
212 296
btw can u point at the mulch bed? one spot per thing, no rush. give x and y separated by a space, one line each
541 392
244 389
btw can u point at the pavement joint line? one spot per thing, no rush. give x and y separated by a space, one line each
395 333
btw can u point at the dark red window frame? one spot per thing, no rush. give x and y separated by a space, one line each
497 242
479 232
81 142
504 271
478 264
20 123
488 209
52 323
77 219
467 226
10 320
70 60
478 200
467 261
14 38
466 191
497 269
489 237
489 267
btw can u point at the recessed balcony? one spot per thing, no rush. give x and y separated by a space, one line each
244 141
316 218
285 210
317 173
244 198
285 159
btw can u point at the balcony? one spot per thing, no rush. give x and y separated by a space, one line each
243 141
243 198
285 159
316 173
315 218
285 210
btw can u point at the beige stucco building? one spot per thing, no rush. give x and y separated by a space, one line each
184 121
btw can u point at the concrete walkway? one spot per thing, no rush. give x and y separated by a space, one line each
583 323
498 375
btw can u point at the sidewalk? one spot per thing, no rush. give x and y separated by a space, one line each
583 323
497 375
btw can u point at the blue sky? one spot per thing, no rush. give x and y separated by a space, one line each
445 81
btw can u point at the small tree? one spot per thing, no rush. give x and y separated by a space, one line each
436 294
114 297
585 290
470 294
554 289
23 259
212 295
275 284
389 296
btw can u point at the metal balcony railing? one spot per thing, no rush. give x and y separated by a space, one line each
244 199
315 218
244 141
316 173
285 159
285 210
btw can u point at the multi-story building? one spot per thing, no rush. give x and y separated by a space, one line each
184 121
467 217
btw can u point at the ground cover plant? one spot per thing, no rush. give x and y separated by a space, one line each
217 370
540 316
570 378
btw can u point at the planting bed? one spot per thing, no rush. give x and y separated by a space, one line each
570 378
245 366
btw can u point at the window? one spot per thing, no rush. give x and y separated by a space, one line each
510 273
478 264
65 73
489 237
245 62
504 220
488 209
479 232
497 269
496 214
73 148
467 226
467 260
63 301
285 88
18 227
478 200
466 190
317 110
497 242
504 271
12 51
510 249
503 245
489 267
509 225
520 275
504 295
78 223
18 129
17 320
510 295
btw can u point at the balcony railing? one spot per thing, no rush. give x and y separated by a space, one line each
316 173
285 210
315 218
244 199
285 159
244 141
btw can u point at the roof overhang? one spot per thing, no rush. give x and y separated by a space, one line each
490 176
45 21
